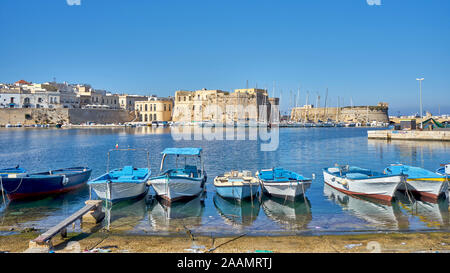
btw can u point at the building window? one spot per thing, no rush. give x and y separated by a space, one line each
184 98
150 117
145 117
164 107
145 107
154 116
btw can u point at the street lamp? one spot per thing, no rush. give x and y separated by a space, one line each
421 112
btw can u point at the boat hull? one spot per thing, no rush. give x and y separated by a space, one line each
428 188
177 188
287 190
42 184
382 188
119 191
238 192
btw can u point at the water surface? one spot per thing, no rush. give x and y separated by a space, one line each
303 150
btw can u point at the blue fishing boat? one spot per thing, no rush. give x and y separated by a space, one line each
237 185
282 183
23 185
122 183
422 182
182 182
12 171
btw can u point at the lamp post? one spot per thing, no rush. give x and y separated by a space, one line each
421 112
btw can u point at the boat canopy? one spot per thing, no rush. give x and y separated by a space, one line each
182 151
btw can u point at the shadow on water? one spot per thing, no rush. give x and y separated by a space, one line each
175 216
126 214
237 213
24 212
427 214
377 213
293 215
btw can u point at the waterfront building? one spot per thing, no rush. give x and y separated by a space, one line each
154 109
127 102
223 106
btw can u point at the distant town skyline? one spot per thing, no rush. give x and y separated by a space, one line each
362 53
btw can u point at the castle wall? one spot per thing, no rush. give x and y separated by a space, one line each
342 114
31 116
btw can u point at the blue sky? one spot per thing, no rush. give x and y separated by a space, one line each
359 52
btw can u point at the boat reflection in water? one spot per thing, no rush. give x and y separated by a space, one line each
432 214
43 213
126 214
292 214
175 216
237 213
377 213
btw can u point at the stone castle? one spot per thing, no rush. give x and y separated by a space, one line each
219 106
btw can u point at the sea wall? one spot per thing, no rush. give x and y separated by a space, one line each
30 116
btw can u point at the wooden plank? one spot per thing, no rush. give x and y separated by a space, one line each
56 229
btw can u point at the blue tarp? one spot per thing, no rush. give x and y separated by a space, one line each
182 151
412 172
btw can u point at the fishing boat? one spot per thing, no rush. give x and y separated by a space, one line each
282 183
237 185
122 183
9 172
358 181
444 170
23 185
184 182
421 182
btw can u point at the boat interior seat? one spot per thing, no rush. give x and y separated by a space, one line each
357 176
191 170
333 170
126 178
127 170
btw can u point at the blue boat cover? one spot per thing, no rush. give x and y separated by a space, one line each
182 151
412 172
280 175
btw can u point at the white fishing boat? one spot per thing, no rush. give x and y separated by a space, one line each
237 185
282 183
183 182
364 182
421 182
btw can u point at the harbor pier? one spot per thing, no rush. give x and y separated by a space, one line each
90 213
435 135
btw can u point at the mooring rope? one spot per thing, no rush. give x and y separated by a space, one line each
3 191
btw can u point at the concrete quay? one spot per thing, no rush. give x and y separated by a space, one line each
441 135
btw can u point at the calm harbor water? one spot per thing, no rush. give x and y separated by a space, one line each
304 150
